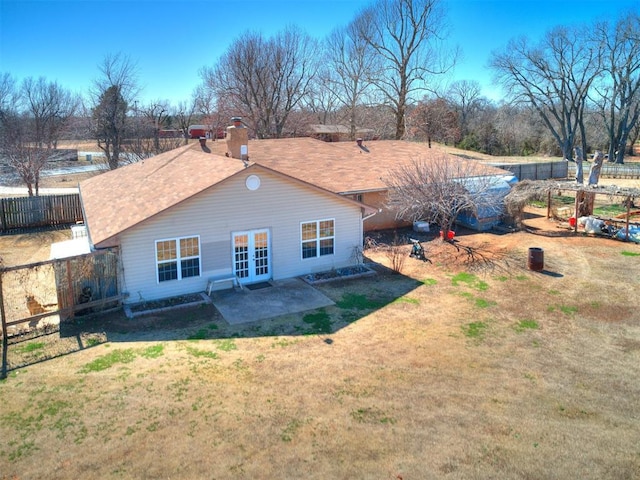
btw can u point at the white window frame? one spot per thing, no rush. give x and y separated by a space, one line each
318 238
179 258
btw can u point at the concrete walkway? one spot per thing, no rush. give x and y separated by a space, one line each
283 297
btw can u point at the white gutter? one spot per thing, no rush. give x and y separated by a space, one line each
369 216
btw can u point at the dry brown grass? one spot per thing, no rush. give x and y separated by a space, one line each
21 249
451 370
83 145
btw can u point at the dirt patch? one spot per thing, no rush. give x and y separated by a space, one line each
21 249
65 180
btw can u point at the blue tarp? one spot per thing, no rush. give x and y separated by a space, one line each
488 216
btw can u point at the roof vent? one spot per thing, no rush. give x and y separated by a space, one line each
362 147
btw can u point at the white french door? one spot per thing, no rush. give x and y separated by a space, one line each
251 256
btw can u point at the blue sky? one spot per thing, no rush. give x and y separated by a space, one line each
171 41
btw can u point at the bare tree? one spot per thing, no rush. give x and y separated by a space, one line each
554 78
32 118
519 131
618 93
27 160
466 96
434 119
322 102
379 119
213 110
482 135
265 79
50 108
183 114
17 146
348 71
144 132
156 115
7 90
439 188
204 98
113 94
8 105
407 36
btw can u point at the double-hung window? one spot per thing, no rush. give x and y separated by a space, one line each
178 258
318 238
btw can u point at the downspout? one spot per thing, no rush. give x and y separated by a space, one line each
367 217
84 219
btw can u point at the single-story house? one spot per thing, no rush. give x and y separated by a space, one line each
269 209
190 215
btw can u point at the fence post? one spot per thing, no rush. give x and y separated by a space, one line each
5 334
70 296
576 206
3 217
626 235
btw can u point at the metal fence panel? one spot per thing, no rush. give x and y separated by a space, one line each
609 170
535 171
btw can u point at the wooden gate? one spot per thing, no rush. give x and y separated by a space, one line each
43 294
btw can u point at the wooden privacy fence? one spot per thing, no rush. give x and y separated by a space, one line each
42 211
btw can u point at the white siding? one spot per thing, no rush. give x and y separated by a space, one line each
279 205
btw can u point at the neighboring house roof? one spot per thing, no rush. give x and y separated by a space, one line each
342 167
120 199
342 129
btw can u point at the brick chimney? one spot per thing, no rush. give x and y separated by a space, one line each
237 139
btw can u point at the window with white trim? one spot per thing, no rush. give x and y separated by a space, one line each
178 258
318 238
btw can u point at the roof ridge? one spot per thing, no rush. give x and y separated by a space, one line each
165 162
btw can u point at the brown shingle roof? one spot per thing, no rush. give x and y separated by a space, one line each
341 167
122 198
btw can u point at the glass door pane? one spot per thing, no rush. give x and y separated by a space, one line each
251 256
241 255
261 253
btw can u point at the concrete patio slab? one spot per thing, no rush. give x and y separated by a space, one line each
281 298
